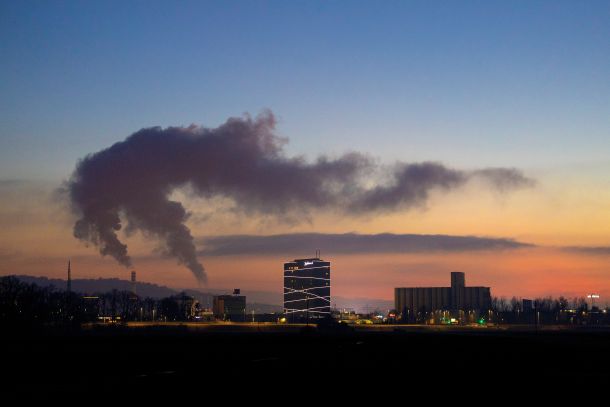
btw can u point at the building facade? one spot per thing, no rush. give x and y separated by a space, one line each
306 289
457 300
230 307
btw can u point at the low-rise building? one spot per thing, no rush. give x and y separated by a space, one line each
230 307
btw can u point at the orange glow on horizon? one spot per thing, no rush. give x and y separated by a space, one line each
524 273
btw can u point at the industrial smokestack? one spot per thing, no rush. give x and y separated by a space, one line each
133 283
69 284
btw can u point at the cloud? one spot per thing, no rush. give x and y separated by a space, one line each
591 250
299 244
242 160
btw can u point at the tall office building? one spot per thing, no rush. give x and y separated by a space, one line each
306 289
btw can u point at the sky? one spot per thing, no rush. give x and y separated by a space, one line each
472 85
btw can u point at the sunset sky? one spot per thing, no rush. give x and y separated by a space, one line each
472 86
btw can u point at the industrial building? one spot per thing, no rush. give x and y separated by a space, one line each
306 289
458 301
230 307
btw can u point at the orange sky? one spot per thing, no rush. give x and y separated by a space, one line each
36 239
522 272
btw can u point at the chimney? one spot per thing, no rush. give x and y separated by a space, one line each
69 285
133 283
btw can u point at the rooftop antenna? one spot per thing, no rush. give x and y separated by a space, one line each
317 253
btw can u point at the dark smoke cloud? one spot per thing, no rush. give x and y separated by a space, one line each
410 185
242 160
503 179
299 244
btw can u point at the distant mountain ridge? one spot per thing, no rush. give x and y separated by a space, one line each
100 285
259 301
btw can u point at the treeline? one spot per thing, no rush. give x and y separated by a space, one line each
548 310
29 305
515 304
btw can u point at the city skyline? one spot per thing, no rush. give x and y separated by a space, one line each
476 137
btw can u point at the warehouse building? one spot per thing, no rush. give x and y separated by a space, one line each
462 303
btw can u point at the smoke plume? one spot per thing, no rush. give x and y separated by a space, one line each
242 160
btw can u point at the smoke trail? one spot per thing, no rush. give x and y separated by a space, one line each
242 160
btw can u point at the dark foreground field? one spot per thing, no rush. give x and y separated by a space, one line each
145 362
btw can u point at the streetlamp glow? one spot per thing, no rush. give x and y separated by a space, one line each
593 297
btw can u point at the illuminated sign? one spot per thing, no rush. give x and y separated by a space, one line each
308 263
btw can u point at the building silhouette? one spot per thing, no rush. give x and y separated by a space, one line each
306 289
458 301
230 307
133 284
